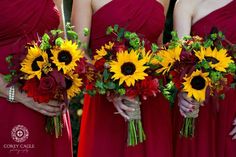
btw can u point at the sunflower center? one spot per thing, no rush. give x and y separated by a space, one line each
212 60
65 56
198 82
68 83
34 65
128 68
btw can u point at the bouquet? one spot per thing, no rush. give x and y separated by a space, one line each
200 67
49 68
123 67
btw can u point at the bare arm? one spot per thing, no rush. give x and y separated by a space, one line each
183 12
81 18
59 5
165 3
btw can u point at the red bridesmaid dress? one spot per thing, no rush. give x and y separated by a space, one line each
103 133
22 129
213 126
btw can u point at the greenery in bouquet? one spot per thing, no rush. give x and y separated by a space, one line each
50 68
200 67
123 67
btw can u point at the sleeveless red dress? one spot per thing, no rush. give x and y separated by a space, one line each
103 133
22 129
212 127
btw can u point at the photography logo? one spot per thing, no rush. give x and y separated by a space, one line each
19 133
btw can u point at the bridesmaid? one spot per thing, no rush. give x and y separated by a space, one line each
200 17
23 123
103 133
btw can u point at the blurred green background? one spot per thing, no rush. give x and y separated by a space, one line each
76 104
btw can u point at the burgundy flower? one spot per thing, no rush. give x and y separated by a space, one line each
42 90
99 65
148 87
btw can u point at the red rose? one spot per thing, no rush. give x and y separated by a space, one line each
81 66
230 79
118 47
99 65
132 92
176 79
47 85
42 90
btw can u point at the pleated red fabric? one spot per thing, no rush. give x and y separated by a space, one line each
103 133
22 129
212 126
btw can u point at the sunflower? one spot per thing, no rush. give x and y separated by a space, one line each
196 84
217 59
103 51
167 58
128 68
100 54
66 56
34 62
73 85
146 55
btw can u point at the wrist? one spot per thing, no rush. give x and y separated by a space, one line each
11 94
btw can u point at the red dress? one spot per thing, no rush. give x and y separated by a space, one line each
212 127
103 133
22 129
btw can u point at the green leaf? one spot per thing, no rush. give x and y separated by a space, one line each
127 35
121 91
86 31
56 32
222 96
120 33
154 47
232 68
109 30
59 41
106 74
102 91
7 78
214 36
169 91
116 27
99 84
208 43
72 35
110 85
215 76
91 92
8 58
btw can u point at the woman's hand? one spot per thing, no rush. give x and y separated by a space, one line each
233 131
121 107
52 108
188 106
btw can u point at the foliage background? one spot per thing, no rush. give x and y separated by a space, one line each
77 104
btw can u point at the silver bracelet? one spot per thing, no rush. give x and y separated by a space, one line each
11 94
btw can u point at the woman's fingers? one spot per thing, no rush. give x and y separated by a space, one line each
126 108
183 113
184 108
131 100
233 131
50 114
234 122
186 104
121 112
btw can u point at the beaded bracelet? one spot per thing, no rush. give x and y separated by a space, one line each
11 94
